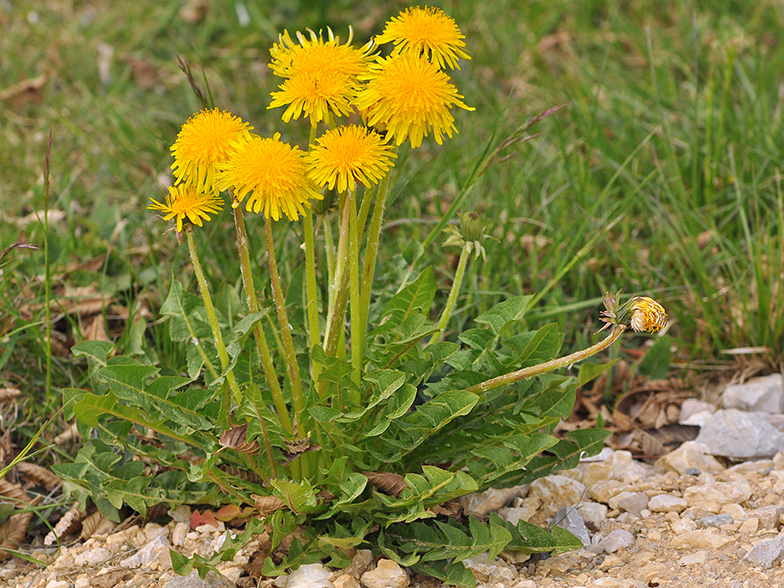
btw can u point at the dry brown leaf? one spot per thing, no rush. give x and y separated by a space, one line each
39 475
266 505
96 524
94 329
236 438
387 482
7 453
25 92
71 433
9 394
13 531
451 508
246 475
68 524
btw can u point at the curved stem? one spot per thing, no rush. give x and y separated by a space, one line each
268 365
452 299
547 366
372 249
292 367
357 330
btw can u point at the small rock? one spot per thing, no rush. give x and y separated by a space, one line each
569 518
716 520
490 500
346 581
181 514
58 584
768 515
554 493
743 435
616 540
592 513
603 490
387 574
634 503
690 455
310 576
695 412
493 572
626 468
667 503
765 394
517 513
696 558
93 557
360 563
179 533
765 553
525 584
155 550
712 497
211 580
749 526
704 539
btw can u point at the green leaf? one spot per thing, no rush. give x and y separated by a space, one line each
504 313
589 371
542 346
416 297
655 363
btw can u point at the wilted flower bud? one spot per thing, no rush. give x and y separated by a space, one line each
641 313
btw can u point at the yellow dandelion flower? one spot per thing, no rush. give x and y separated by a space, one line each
315 94
321 76
347 155
204 142
409 96
185 201
647 315
426 31
272 174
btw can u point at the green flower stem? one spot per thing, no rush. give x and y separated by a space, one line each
314 334
339 286
367 197
329 248
310 279
267 363
357 328
547 366
216 332
453 293
285 331
371 251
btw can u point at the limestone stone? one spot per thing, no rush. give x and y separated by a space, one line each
309 576
626 468
155 550
633 502
765 553
702 539
346 581
386 574
593 513
764 394
491 572
690 455
695 412
713 496
742 435
667 503
616 540
490 500
696 558
603 490
569 518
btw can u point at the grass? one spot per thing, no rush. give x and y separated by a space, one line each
660 175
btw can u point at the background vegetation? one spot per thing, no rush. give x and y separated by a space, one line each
660 176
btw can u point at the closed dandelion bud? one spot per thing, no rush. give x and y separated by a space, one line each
326 204
471 227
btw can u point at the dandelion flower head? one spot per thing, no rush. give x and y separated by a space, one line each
409 96
426 31
273 176
647 315
348 155
321 76
184 201
204 142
